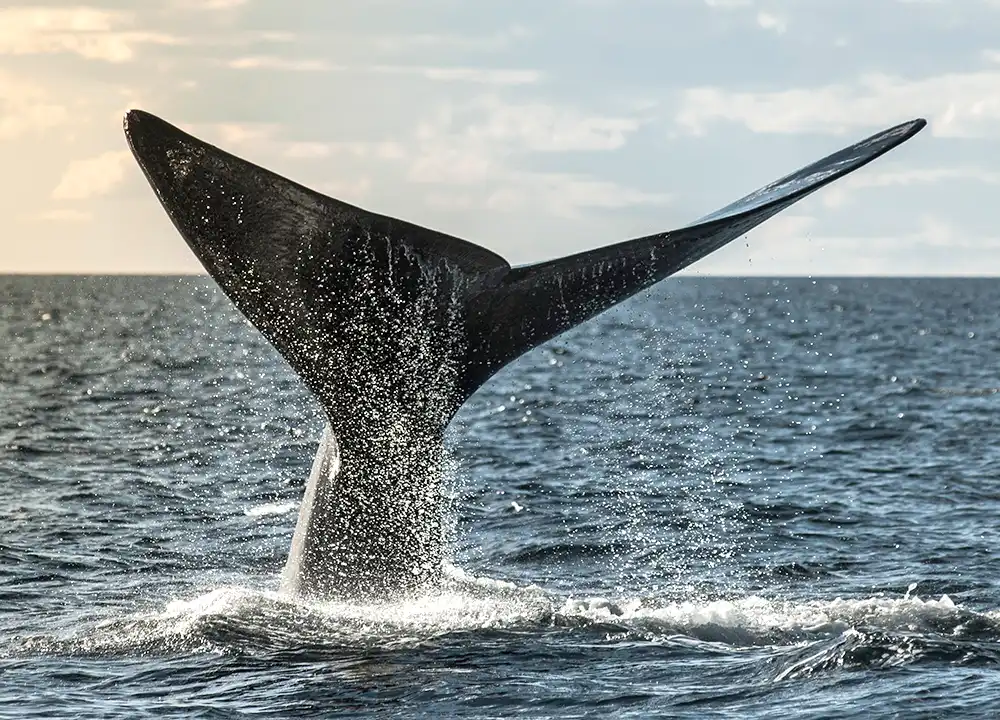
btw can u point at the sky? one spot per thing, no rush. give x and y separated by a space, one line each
536 129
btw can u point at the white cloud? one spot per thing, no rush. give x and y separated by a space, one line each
483 76
787 226
309 150
25 108
728 4
770 21
500 40
91 33
543 127
958 104
64 215
209 4
440 161
789 245
273 62
244 137
471 143
92 177
471 148
384 150
260 141
839 194
565 195
352 191
925 175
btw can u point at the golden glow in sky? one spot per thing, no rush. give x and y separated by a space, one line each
535 129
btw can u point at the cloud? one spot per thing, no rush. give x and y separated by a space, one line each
465 155
91 33
92 177
839 194
64 215
472 148
384 150
25 108
543 127
565 194
209 4
483 76
355 190
470 143
264 140
273 62
924 175
452 161
769 21
788 245
500 40
765 20
256 136
959 105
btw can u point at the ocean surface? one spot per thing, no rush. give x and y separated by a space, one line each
726 498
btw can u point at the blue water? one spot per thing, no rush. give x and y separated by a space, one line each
726 498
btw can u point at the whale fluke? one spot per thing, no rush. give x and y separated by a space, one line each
393 326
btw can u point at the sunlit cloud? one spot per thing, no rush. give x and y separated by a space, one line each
500 40
566 195
26 108
483 76
92 177
470 143
510 123
91 33
545 127
354 190
64 215
470 148
274 62
202 5
958 105
385 150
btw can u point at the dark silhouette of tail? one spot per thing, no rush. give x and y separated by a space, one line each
393 326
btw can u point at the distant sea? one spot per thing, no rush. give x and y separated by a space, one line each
726 498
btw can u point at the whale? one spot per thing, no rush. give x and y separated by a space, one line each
392 327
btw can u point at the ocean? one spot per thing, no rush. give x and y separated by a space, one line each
726 498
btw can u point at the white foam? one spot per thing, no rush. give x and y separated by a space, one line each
271 509
758 620
468 603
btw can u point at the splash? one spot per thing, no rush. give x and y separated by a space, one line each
809 634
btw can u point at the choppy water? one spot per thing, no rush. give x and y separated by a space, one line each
726 498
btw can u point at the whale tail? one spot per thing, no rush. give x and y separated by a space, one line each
393 326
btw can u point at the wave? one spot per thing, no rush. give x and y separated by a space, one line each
805 636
